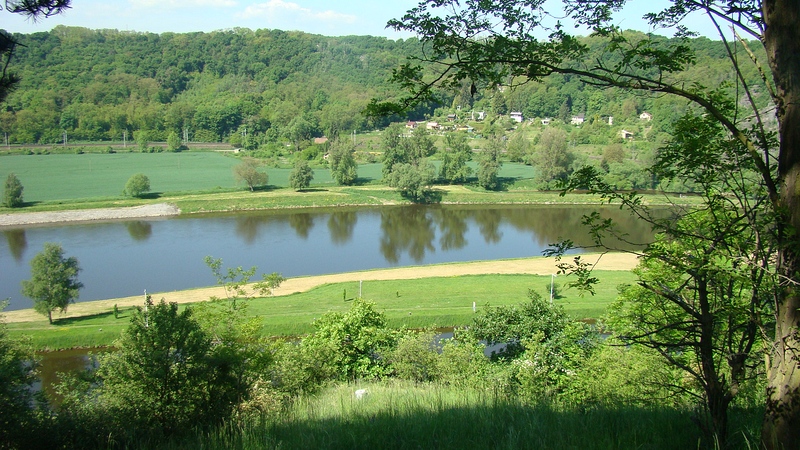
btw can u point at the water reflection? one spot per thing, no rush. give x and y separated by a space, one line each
247 227
301 223
17 243
51 364
117 257
409 230
341 225
489 225
452 227
139 230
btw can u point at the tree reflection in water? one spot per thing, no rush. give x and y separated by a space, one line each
17 243
139 230
301 223
408 229
341 225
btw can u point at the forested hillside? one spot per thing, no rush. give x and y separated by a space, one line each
264 86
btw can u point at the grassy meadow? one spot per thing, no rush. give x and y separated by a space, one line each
401 415
425 302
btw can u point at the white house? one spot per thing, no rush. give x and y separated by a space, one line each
646 116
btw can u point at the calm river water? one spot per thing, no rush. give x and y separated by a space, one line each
121 259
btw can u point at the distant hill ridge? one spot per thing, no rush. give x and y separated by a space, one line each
268 85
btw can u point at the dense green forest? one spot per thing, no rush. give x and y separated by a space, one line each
256 88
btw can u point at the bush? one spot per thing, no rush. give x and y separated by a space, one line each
415 357
12 194
352 344
301 175
137 185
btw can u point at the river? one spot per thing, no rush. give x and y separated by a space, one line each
124 258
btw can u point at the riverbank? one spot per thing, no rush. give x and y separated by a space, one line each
274 199
88 215
523 266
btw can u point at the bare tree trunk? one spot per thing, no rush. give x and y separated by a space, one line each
781 429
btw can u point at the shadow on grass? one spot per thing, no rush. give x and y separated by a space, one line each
363 181
266 188
151 195
487 424
65 321
313 190
503 183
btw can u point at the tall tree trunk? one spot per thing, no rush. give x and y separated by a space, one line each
718 395
781 429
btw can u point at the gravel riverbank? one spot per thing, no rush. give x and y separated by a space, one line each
88 215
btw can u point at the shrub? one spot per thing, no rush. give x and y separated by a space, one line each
137 185
12 193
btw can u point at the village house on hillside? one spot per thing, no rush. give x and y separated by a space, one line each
577 120
646 116
516 116
481 115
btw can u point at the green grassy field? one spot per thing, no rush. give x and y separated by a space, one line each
402 415
441 302
64 177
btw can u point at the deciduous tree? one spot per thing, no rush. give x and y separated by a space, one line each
54 281
510 49
158 378
17 375
489 165
301 175
12 191
552 157
248 171
137 185
34 10
344 169
455 155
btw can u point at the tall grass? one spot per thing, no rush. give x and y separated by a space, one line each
405 416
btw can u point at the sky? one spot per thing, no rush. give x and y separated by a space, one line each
325 17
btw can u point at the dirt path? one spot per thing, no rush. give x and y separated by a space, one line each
86 215
534 266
